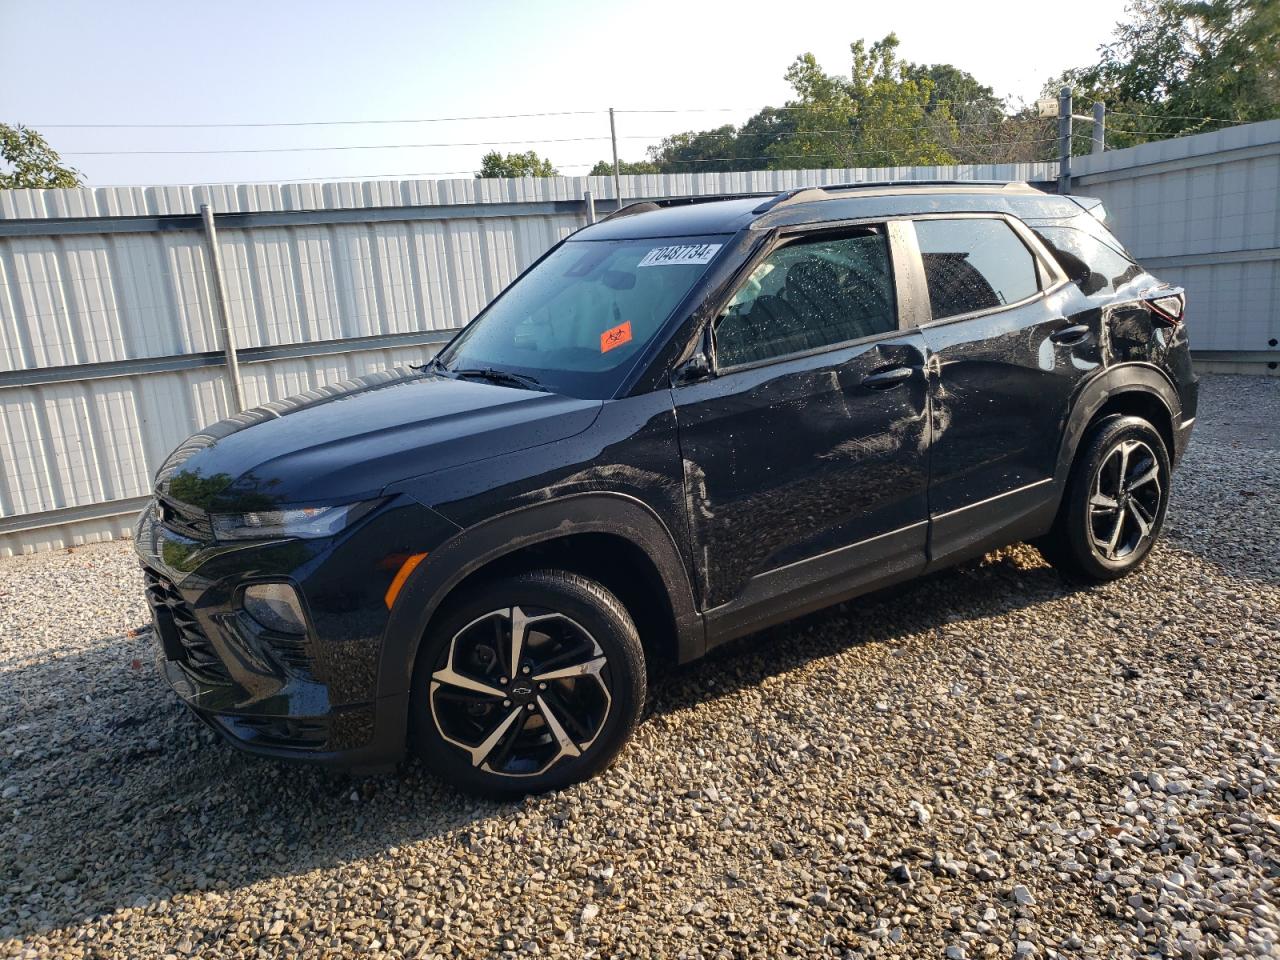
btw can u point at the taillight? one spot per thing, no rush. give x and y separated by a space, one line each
1169 307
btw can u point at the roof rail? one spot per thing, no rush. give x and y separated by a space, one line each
802 194
824 191
659 203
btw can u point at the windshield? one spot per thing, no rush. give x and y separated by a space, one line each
577 319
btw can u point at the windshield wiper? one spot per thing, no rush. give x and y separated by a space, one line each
505 377
435 365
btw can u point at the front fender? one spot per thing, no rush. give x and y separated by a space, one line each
473 548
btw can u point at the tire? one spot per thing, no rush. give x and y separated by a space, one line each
1105 529
498 732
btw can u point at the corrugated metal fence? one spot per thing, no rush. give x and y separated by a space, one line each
109 351
1204 212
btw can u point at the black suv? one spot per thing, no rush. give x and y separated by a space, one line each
684 423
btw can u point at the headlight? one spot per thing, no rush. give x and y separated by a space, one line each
307 522
275 606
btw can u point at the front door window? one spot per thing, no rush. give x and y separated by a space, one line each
808 294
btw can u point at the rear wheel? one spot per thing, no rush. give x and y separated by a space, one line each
527 684
1115 502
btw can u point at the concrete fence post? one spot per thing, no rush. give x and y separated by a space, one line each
617 178
1064 140
236 394
1099 127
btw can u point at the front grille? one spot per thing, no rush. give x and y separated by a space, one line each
194 650
187 521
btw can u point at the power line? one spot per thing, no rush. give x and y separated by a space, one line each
932 103
860 153
476 143
1139 133
308 123
375 176
846 130
492 116
370 146
334 178
810 107
688 110
1160 116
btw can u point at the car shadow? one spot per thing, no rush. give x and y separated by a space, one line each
1004 581
134 801
1225 489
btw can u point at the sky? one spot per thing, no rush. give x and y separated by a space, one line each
694 64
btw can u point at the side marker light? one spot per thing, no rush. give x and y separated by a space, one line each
410 564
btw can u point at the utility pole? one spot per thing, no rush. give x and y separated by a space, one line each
1064 139
1099 127
617 179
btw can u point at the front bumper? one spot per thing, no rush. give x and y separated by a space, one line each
364 738
1182 437
316 697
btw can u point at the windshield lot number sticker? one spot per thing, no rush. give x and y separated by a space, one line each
615 336
679 255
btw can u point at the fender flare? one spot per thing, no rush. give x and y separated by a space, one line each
461 555
1111 383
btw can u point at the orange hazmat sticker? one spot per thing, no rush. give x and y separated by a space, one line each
615 336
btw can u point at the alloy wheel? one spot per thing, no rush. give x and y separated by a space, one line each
1125 501
521 688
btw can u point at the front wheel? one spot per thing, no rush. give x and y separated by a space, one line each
527 684
1115 503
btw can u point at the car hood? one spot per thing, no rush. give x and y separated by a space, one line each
350 440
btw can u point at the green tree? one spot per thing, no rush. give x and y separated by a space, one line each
978 127
494 164
697 151
1180 66
604 168
762 132
887 111
874 118
969 100
31 161
725 147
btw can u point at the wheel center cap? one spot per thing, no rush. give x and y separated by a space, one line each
522 690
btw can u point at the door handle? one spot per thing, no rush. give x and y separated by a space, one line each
1068 336
888 378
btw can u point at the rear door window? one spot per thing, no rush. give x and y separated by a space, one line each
973 264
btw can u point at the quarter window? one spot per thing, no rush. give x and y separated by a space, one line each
809 294
1088 260
974 264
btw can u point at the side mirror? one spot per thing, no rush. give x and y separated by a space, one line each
696 368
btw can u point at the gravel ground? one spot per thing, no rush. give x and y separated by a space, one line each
984 764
